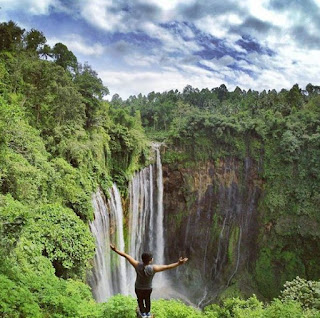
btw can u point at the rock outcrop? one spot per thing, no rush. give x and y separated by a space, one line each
211 217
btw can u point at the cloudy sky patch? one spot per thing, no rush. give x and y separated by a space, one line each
140 46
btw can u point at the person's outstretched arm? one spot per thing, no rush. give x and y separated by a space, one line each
161 268
131 260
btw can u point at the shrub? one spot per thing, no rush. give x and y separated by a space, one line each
236 307
60 235
306 293
120 306
17 301
173 309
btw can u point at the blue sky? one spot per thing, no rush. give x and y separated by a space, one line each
156 45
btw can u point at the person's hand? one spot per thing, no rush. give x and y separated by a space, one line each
112 247
182 260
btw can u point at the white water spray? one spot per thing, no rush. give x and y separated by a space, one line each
108 276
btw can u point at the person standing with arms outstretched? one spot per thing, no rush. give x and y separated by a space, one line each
145 272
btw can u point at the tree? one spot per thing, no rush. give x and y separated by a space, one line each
222 92
63 57
10 35
92 90
116 100
45 51
34 40
294 97
312 90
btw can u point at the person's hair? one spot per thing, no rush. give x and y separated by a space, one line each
146 258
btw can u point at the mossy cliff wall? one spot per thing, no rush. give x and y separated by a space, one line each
247 223
211 217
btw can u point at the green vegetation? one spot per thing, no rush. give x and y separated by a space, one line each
279 132
60 140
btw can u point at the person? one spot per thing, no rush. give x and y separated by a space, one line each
145 272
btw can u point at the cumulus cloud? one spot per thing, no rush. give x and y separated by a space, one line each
78 45
103 14
31 6
128 83
217 63
171 43
202 8
138 60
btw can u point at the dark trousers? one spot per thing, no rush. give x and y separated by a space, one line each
143 298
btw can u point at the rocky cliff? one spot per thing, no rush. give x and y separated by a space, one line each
211 217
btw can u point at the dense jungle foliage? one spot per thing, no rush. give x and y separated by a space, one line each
60 139
280 133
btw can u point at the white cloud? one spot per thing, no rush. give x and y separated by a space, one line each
77 45
283 70
138 60
35 7
169 4
133 82
172 42
218 26
216 63
99 13
259 10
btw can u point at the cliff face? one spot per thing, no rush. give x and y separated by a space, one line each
211 217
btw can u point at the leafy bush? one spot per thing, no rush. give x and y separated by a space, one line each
60 235
13 217
120 306
235 307
289 309
306 293
173 309
17 301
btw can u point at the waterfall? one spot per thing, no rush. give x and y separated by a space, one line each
111 273
159 255
238 258
100 277
108 276
217 259
115 205
146 214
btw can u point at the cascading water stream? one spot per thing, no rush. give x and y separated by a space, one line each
108 276
115 205
159 229
146 214
238 257
100 278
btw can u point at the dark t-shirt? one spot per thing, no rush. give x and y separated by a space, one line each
144 276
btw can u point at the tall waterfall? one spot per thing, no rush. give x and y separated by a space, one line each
108 276
111 274
159 230
146 214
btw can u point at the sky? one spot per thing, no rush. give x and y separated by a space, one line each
140 46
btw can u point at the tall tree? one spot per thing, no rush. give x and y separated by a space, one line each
64 57
92 89
34 40
10 35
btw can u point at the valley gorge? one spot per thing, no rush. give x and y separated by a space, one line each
228 178
210 216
